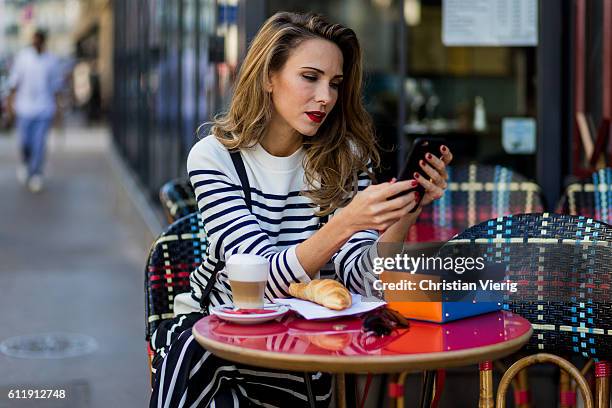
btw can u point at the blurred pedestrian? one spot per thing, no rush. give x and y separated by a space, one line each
34 82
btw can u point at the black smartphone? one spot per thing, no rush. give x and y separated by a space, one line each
420 147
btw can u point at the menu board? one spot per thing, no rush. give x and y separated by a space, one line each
490 22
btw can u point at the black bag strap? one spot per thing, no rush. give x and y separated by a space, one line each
244 179
246 188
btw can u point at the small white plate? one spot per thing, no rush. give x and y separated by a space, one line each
244 316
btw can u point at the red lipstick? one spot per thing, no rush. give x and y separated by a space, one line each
316 116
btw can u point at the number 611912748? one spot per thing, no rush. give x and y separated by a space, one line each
36 394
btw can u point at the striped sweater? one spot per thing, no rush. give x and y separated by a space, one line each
280 219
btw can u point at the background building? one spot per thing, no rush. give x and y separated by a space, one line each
500 97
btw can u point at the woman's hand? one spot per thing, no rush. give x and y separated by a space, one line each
376 208
379 206
436 169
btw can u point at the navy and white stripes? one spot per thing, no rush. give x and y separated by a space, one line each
190 376
280 219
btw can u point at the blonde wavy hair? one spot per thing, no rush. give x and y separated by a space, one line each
344 145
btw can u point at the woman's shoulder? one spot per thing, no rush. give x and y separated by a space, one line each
208 144
208 153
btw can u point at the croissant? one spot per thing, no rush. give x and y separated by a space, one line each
326 292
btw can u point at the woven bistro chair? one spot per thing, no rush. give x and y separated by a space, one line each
173 255
591 197
562 265
477 193
178 199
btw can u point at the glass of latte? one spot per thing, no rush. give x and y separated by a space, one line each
247 275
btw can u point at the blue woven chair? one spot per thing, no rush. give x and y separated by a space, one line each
477 193
562 264
590 197
178 199
173 255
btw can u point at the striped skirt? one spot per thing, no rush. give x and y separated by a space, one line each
187 375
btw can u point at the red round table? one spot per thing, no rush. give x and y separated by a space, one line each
340 346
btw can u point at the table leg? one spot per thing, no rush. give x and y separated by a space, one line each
340 391
427 389
350 383
382 391
486 385
310 395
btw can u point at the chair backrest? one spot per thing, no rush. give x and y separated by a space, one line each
172 257
562 266
591 197
479 192
178 199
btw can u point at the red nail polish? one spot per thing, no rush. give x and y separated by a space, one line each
444 149
421 162
417 175
414 183
428 156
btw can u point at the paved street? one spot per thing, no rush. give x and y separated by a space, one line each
69 265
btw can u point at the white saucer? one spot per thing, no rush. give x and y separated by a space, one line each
228 313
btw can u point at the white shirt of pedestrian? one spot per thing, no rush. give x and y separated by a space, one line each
37 78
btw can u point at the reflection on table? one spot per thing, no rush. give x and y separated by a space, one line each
345 337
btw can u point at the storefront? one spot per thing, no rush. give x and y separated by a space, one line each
174 66
487 76
501 98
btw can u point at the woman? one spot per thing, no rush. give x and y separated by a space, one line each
307 143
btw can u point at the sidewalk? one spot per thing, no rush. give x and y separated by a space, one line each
67 264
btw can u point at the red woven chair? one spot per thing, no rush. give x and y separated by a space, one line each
476 193
173 255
